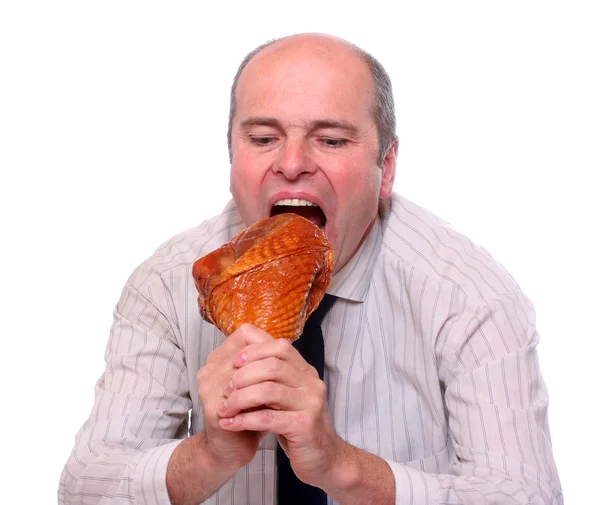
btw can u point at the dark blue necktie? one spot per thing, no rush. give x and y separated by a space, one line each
290 489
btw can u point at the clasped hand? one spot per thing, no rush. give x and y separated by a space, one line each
253 384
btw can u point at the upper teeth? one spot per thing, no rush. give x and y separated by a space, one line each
296 202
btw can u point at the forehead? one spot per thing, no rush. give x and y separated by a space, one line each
306 83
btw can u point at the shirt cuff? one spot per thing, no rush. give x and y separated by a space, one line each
150 479
414 486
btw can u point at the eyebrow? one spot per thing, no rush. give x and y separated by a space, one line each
318 124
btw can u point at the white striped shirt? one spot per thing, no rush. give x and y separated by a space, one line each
430 363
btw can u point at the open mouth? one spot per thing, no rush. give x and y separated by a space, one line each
304 208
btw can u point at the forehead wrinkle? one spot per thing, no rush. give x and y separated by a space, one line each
312 125
260 121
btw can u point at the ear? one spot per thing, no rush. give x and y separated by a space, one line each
388 170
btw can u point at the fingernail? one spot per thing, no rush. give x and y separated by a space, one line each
223 406
241 359
227 420
229 388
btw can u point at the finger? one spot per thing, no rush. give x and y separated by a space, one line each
249 334
268 369
270 394
280 422
245 335
276 348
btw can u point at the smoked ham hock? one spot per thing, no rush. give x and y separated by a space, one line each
273 275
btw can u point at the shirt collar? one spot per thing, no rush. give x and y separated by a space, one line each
353 280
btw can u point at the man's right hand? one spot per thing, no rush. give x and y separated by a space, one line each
228 450
204 462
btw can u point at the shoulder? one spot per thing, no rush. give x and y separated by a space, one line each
179 253
429 246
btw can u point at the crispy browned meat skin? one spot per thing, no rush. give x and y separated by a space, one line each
273 275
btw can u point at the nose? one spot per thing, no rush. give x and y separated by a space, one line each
294 159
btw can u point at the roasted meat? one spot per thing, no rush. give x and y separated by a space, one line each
272 275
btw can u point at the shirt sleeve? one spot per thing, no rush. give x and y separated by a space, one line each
140 410
497 408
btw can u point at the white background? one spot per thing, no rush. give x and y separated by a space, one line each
113 138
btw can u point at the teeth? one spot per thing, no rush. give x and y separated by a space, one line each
295 202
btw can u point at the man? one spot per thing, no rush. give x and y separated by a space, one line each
431 393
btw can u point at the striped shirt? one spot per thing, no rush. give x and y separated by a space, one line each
430 363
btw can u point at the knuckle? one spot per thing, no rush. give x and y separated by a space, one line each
273 364
205 371
313 371
318 400
239 332
213 356
244 331
266 416
283 345
244 328
209 379
321 389
319 404
204 389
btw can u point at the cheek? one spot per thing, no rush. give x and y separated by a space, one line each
245 183
363 184
242 176
234 177
366 197
359 199
240 187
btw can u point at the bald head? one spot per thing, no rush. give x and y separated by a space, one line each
330 49
302 51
